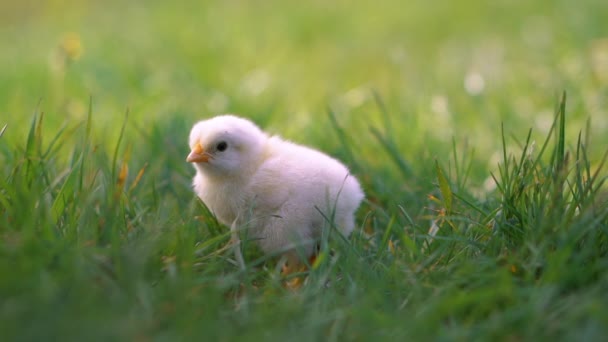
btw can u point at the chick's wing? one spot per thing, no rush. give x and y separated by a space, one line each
270 187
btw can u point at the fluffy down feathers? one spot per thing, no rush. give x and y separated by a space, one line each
270 186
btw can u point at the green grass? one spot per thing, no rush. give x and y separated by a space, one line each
486 214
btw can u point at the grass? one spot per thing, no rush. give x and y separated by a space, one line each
475 227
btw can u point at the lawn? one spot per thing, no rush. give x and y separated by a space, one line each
478 130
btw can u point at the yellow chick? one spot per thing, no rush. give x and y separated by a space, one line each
282 193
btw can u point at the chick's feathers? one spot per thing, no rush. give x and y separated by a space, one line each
283 193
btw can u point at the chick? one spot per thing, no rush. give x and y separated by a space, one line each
281 192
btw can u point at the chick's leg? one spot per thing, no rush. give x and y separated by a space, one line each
236 241
293 265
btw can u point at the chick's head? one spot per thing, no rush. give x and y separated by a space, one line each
226 146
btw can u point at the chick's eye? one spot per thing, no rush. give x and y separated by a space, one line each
222 146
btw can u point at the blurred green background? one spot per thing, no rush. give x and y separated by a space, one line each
419 79
444 69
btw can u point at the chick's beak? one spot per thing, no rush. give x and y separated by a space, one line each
197 155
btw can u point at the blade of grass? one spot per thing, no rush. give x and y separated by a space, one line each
31 137
384 111
56 143
384 244
444 187
456 164
120 136
561 139
342 136
86 142
393 152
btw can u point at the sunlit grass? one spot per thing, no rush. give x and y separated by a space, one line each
486 214
89 249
